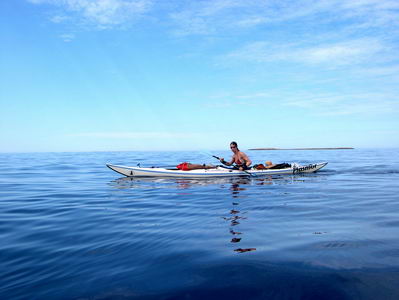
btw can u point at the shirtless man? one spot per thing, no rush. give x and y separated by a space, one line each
239 158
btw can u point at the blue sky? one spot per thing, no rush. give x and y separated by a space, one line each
85 75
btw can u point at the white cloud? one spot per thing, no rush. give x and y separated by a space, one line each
315 103
364 109
68 37
208 17
345 104
59 19
204 17
102 13
209 8
333 54
252 21
342 53
133 135
255 95
380 71
214 16
360 6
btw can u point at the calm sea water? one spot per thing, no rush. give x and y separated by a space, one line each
70 228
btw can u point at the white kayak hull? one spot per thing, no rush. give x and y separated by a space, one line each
206 173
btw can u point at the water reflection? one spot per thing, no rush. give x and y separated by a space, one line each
236 215
185 183
237 188
180 183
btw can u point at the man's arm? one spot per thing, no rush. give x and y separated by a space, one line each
231 161
227 163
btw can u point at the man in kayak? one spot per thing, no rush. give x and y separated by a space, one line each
239 158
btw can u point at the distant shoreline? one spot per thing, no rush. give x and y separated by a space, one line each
336 148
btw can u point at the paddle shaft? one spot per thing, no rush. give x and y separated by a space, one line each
253 175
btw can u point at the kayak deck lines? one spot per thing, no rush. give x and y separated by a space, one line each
218 171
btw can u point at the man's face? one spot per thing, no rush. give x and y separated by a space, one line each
233 148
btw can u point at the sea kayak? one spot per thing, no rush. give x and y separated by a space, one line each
218 171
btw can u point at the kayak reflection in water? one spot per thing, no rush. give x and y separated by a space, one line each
239 158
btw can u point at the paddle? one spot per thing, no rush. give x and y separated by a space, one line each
253 175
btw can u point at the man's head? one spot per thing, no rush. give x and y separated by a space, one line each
234 147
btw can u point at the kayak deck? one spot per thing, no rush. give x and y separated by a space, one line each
218 171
